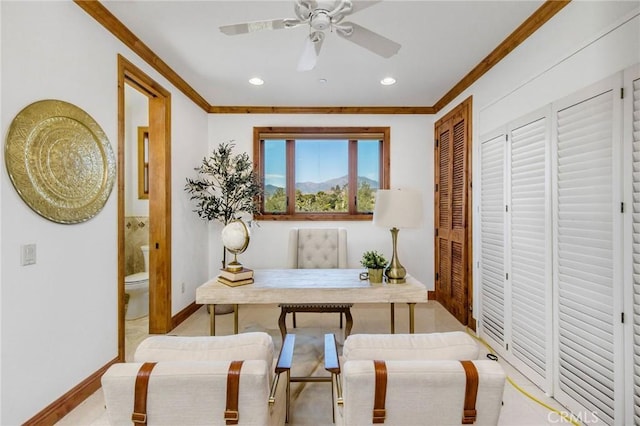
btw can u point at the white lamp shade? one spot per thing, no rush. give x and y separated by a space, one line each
399 208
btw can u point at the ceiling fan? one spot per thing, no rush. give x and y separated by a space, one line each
320 16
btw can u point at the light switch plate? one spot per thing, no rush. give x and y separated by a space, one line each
28 254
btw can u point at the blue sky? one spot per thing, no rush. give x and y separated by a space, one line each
319 160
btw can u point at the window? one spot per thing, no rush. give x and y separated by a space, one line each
321 173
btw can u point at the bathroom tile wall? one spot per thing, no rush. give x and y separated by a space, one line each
136 234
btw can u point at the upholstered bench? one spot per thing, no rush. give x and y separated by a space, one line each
344 308
201 381
397 379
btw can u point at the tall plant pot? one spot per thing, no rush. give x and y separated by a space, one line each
375 275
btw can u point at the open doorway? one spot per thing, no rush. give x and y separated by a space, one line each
152 179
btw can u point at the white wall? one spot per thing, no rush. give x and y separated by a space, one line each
584 43
136 114
411 166
59 316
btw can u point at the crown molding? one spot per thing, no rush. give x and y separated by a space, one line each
545 12
105 18
101 14
320 110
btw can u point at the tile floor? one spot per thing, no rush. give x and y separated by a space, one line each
430 317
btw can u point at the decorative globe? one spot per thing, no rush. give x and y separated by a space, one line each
235 237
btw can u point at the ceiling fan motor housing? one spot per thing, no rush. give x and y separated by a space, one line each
320 20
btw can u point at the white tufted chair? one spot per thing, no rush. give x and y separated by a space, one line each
322 248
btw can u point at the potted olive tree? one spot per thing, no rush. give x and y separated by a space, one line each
226 186
375 264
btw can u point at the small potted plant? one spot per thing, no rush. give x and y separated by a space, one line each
375 263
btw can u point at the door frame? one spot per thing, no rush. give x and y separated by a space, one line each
159 199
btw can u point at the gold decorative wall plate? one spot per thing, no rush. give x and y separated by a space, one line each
60 161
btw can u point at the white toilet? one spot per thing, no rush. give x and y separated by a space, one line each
137 287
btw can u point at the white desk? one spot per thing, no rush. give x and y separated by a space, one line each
272 286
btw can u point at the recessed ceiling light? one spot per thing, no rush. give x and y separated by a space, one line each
256 81
388 81
322 80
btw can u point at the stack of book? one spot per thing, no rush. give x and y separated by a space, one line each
234 279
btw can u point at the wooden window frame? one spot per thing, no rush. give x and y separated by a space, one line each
292 133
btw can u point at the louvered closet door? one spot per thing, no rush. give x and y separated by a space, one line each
636 250
451 200
530 247
492 222
584 255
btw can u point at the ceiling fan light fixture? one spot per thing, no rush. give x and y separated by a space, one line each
256 81
320 20
388 81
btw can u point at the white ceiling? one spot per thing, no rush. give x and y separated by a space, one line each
441 42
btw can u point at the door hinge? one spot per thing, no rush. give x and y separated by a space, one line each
157 246
622 317
622 93
437 276
287 201
506 208
506 346
436 232
507 275
436 187
621 207
436 143
506 138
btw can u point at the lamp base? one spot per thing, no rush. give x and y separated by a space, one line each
395 272
395 275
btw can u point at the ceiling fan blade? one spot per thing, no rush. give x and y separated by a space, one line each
311 51
368 39
250 27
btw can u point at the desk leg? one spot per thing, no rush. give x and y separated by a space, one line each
411 317
393 318
212 319
235 318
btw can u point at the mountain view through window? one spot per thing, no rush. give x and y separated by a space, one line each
321 173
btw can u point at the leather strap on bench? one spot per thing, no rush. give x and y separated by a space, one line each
233 389
379 412
139 415
470 392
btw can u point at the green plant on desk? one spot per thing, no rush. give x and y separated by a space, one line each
375 263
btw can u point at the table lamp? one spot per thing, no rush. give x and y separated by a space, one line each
397 208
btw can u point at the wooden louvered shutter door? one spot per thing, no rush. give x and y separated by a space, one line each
636 250
452 245
443 212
